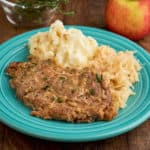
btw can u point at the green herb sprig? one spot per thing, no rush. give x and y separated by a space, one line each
28 4
34 11
98 78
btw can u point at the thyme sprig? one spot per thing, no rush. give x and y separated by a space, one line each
28 4
38 12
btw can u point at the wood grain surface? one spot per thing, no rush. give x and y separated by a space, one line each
90 13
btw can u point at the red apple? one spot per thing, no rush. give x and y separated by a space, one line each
130 18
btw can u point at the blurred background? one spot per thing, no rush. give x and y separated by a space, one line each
87 13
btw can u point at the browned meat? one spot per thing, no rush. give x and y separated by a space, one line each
66 94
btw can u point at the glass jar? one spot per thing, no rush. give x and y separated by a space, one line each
22 16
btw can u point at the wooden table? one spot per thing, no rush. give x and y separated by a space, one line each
88 13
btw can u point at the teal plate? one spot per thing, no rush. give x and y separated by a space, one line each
17 116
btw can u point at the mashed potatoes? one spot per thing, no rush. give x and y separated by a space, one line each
70 48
